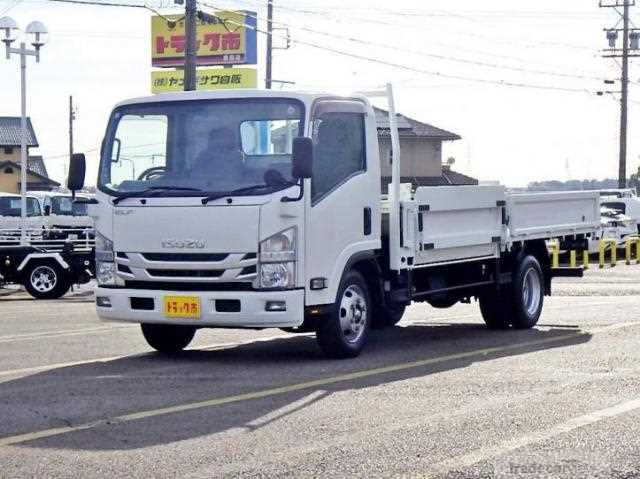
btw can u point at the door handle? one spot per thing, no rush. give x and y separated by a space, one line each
367 221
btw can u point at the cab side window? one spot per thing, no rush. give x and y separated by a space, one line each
340 152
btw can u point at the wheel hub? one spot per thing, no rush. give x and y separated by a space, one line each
43 279
353 313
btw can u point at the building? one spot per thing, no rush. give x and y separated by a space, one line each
37 176
421 146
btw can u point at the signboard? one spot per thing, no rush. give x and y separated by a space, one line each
163 81
230 40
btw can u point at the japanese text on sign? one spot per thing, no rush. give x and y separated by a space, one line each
230 40
206 79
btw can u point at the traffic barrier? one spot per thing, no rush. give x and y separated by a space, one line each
572 259
606 244
555 254
629 243
585 259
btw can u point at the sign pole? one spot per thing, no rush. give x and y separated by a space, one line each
269 58
23 145
190 25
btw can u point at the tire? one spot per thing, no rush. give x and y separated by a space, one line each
344 332
167 338
527 293
495 310
518 304
45 280
386 316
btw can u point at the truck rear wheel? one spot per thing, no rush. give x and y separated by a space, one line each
528 293
495 308
168 338
518 304
45 280
343 333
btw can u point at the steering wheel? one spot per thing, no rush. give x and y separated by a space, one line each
152 173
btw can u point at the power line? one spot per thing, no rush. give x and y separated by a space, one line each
407 67
10 7
101 4
351 19
431 55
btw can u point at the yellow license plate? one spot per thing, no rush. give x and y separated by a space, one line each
182 307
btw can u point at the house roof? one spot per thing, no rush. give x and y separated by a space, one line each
448 178
44 179
36 164
10 132
408 127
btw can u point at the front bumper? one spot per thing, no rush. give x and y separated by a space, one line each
252 312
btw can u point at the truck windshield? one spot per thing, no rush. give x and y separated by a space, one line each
193 147
10 206
64 205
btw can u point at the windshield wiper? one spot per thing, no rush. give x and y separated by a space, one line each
237 192
151 189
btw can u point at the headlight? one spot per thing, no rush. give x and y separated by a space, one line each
106 272
277 275
279 247
104 248
277 260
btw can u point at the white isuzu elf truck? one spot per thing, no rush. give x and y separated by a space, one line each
264 209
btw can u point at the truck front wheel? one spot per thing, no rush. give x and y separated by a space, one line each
343 332
167 338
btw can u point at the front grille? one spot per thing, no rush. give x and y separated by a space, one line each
192 257
180 286
194 267
249 270
123 268
185 273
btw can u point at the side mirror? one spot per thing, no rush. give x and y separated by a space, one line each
47 210
77 170
302 158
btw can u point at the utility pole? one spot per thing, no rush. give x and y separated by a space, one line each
72 116
629 42
269 44
190 25
622 166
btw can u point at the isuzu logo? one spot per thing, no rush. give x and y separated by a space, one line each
183 244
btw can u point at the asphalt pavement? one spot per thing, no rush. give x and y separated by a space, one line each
438 396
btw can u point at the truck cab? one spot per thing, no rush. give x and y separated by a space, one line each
11 217
63 215
201 223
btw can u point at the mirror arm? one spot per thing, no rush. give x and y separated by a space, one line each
287 199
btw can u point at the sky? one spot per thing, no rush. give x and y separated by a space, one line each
453 64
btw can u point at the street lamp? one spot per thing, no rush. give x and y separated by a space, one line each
37 35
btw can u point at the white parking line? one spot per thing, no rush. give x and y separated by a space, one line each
64 332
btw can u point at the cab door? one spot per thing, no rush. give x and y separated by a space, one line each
343 220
